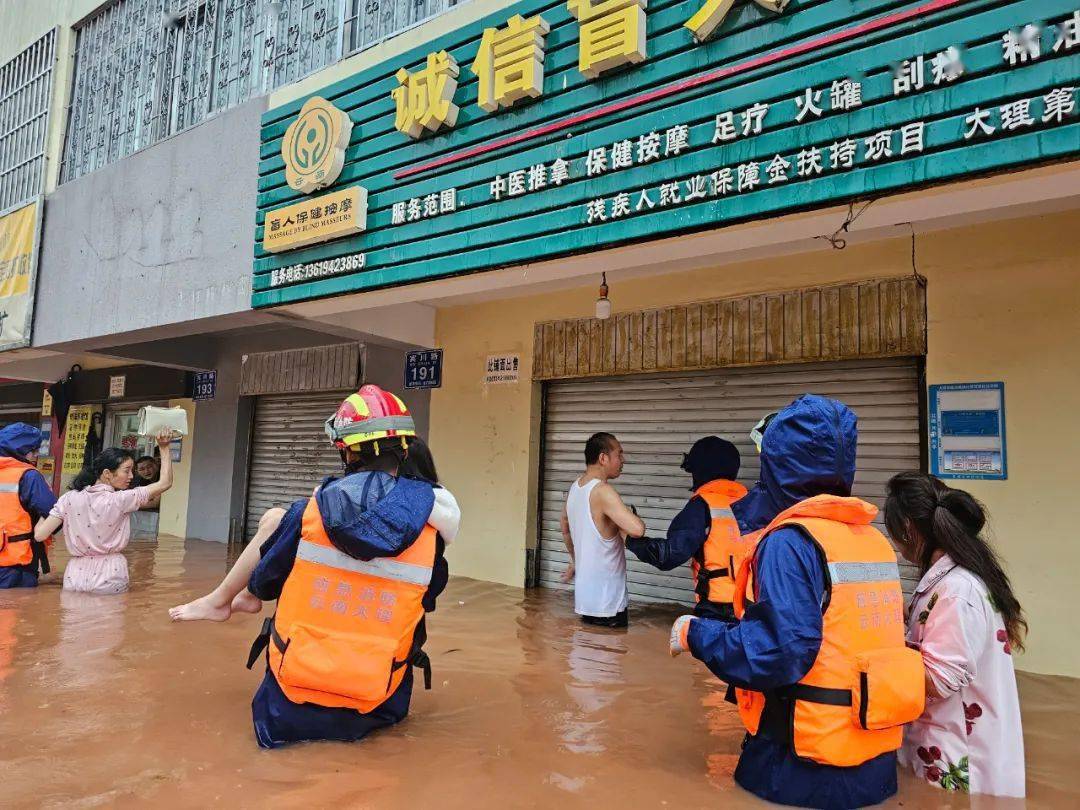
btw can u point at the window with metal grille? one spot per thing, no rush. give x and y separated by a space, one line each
25 95
369 22
147 69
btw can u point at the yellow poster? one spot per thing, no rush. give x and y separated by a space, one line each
78 425
17 231
46 404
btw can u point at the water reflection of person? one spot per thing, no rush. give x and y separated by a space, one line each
595 669
91 628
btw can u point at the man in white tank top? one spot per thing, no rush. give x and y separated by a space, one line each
595 525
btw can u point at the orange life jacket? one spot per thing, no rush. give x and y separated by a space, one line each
865 683
16 526
345 629
724 549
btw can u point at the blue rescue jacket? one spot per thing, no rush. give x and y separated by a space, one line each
808 449
366 515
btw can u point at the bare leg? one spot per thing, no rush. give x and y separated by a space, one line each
232 594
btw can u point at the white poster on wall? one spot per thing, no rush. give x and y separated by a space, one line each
502 368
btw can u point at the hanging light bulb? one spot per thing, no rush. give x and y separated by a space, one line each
603 303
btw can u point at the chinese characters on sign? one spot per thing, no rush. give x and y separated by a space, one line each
424 99
713 12
430 205
967 430
316 270
205 386
117 385
510 64
502 368
423 369
75 433
328 216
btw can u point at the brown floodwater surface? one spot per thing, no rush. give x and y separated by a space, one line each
105 702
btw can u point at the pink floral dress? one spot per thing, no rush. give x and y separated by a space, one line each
971 740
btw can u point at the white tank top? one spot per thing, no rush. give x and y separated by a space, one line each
600 563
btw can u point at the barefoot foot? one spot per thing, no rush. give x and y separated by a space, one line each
246 602
207 608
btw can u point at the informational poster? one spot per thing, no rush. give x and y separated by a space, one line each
502 368
46 403
967 430
78 425
18 264
423 369
117 386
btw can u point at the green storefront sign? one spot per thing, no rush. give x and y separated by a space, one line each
607 123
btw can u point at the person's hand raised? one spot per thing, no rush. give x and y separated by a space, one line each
165 437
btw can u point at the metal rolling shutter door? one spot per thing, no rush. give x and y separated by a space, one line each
657 417
290 454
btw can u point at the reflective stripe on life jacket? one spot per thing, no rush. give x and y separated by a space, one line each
16 526
864 684
346 630
724 549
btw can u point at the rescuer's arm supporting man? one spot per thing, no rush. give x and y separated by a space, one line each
685 537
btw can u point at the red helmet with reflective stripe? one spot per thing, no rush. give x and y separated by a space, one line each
368 415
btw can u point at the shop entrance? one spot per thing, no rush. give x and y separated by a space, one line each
658 416
290 454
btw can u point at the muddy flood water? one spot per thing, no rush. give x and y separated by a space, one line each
104 702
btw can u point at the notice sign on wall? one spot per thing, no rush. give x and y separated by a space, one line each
502 368
967 430
117 386
318 219
75 433
205 386
18 256
423 369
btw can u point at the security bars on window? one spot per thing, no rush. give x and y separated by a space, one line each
147 69
25 94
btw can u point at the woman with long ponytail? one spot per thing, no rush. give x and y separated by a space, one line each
95 515
966 621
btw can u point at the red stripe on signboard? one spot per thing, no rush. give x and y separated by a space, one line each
868 27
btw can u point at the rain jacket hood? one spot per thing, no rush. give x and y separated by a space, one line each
18 439
807 450
373 514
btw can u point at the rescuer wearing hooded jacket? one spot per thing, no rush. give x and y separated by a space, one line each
354 569
25 498
826 620
705 531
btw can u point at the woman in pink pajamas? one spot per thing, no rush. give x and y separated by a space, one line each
96 518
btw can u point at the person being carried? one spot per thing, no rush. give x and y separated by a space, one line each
705 531
824 681
96 516
595 526
232 595
354 569
25 499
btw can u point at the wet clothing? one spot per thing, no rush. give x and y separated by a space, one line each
97 527
971 739
620 619
685 541
810 444
366 515
35 497
599 562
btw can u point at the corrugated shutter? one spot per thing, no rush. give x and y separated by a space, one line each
657 417
290 453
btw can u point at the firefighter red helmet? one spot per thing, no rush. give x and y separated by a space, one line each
368 415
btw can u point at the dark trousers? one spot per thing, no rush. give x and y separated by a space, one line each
620 619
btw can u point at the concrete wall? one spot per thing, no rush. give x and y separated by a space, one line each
26 20
160 237
1002 303
172 516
